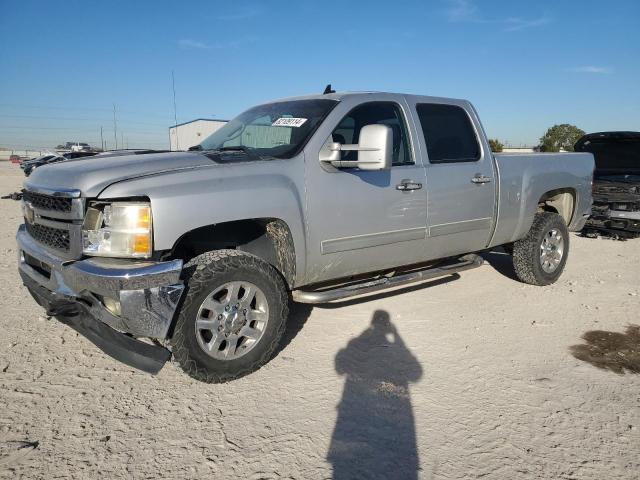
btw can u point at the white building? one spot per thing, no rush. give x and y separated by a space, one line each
188 134
521 149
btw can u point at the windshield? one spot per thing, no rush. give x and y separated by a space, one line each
274 130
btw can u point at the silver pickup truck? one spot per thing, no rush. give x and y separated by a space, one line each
196 254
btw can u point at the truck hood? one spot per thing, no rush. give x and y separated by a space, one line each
615 153
91 175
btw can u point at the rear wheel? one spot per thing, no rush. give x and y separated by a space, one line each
233 316
540 257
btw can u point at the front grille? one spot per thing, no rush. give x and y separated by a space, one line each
52 237
48 202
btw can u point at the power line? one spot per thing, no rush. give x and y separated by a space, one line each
75 129
82 119
49 107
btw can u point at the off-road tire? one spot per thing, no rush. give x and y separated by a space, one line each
526 252
202 275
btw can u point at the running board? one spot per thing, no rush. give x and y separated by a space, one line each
324 296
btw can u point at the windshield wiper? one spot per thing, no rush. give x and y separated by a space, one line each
248 152
195 148
237 148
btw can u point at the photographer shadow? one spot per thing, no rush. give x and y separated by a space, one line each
375 436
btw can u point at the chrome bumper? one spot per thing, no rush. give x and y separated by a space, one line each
148 292
624 215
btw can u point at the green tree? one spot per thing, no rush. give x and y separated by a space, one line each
496 145
560 137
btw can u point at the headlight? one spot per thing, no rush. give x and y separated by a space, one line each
119 229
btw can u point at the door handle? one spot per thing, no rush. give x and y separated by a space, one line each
408 185
479 179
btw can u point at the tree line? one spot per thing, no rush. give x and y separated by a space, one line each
556 138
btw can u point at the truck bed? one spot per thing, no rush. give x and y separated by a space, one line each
523 178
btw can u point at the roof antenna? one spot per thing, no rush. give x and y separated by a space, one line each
328 90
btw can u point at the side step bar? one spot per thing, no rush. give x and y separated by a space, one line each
324 296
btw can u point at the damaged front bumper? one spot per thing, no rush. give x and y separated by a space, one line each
142 297
616 206
617 223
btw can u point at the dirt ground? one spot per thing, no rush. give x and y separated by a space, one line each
472 376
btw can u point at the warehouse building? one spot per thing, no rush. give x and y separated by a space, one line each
188 134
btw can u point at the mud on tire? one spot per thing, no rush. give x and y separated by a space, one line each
203 275
527 251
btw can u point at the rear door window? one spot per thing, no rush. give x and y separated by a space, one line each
448 133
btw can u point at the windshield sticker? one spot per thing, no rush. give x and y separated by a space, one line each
289 122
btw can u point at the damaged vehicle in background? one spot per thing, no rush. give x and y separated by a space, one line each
616 183
30 165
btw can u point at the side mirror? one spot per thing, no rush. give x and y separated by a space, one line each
374 150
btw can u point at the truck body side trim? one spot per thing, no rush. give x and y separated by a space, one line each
459 227
371 240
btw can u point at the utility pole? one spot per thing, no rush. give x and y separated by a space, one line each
115 126
101 139
175 111
121 140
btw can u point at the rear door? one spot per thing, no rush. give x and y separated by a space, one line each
461 181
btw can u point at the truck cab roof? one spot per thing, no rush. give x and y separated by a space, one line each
340 96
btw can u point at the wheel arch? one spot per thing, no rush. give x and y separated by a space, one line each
561 201
267 238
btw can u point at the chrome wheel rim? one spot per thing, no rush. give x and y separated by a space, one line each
551 250
231 320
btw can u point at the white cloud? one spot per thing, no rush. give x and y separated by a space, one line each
462 11
592 69
188 43
515 24
467 11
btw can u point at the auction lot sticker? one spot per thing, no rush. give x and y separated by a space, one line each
289 122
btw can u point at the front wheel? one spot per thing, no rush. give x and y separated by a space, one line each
540 257
233 316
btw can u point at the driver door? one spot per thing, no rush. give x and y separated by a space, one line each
364 221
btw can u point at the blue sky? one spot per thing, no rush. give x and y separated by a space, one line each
526 65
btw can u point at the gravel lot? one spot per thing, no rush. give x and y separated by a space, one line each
479 376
